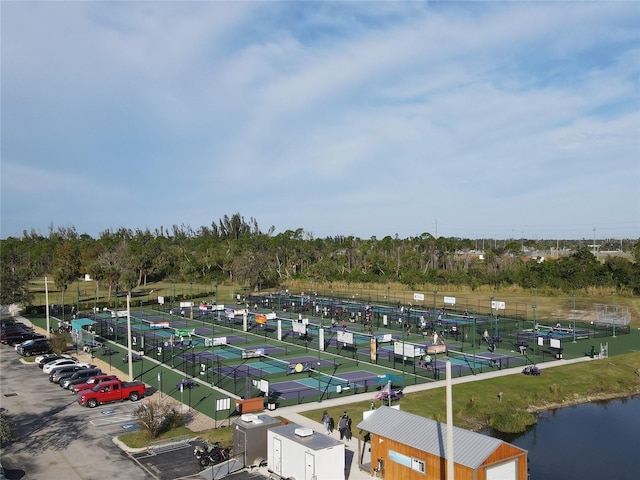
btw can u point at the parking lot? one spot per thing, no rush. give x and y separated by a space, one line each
57 438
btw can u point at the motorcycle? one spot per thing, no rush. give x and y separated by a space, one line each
210 453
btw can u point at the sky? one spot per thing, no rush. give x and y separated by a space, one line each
502 120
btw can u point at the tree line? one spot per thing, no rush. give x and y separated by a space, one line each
237 251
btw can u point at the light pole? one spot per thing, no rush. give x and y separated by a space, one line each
46 301
434 301
318 365
173 294
535 330
213 335
475 327
613 296
63 288
535 319
191 315
573 313
404 353
491 305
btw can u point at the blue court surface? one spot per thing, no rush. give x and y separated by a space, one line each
308 386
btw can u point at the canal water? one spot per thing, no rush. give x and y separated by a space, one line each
599 440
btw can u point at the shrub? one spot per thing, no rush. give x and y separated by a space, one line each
511 420
155 418
58 343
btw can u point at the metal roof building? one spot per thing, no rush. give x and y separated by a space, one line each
407 446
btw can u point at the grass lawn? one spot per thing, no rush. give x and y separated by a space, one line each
476 404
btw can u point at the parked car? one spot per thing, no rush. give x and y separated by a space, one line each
7 322
13 325
16 345
91 382
111 391
59 363
33 347
21 337
77 364
12 331
44 359
81 376
64 372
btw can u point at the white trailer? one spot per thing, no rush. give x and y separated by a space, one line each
298 453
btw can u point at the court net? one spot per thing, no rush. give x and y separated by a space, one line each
327 379
472 359
275 362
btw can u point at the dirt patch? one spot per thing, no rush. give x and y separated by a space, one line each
582 316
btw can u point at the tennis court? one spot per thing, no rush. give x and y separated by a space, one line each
219 351
486 359
315 384
257 369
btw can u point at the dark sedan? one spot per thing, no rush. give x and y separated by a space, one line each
21 337
11 332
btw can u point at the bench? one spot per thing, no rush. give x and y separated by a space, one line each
557 351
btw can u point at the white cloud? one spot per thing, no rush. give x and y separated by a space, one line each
324 116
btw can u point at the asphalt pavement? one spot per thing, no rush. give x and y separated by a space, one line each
54 436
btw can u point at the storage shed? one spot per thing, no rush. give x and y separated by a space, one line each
250 438
302 454
410 447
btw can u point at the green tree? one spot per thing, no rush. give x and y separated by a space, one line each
14 285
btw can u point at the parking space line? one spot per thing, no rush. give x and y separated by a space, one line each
111 420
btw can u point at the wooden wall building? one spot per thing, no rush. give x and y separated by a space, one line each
405 446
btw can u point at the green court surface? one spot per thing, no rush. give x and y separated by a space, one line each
224 358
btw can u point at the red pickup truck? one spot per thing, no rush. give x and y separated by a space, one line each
111 391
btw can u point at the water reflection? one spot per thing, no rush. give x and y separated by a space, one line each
594 440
